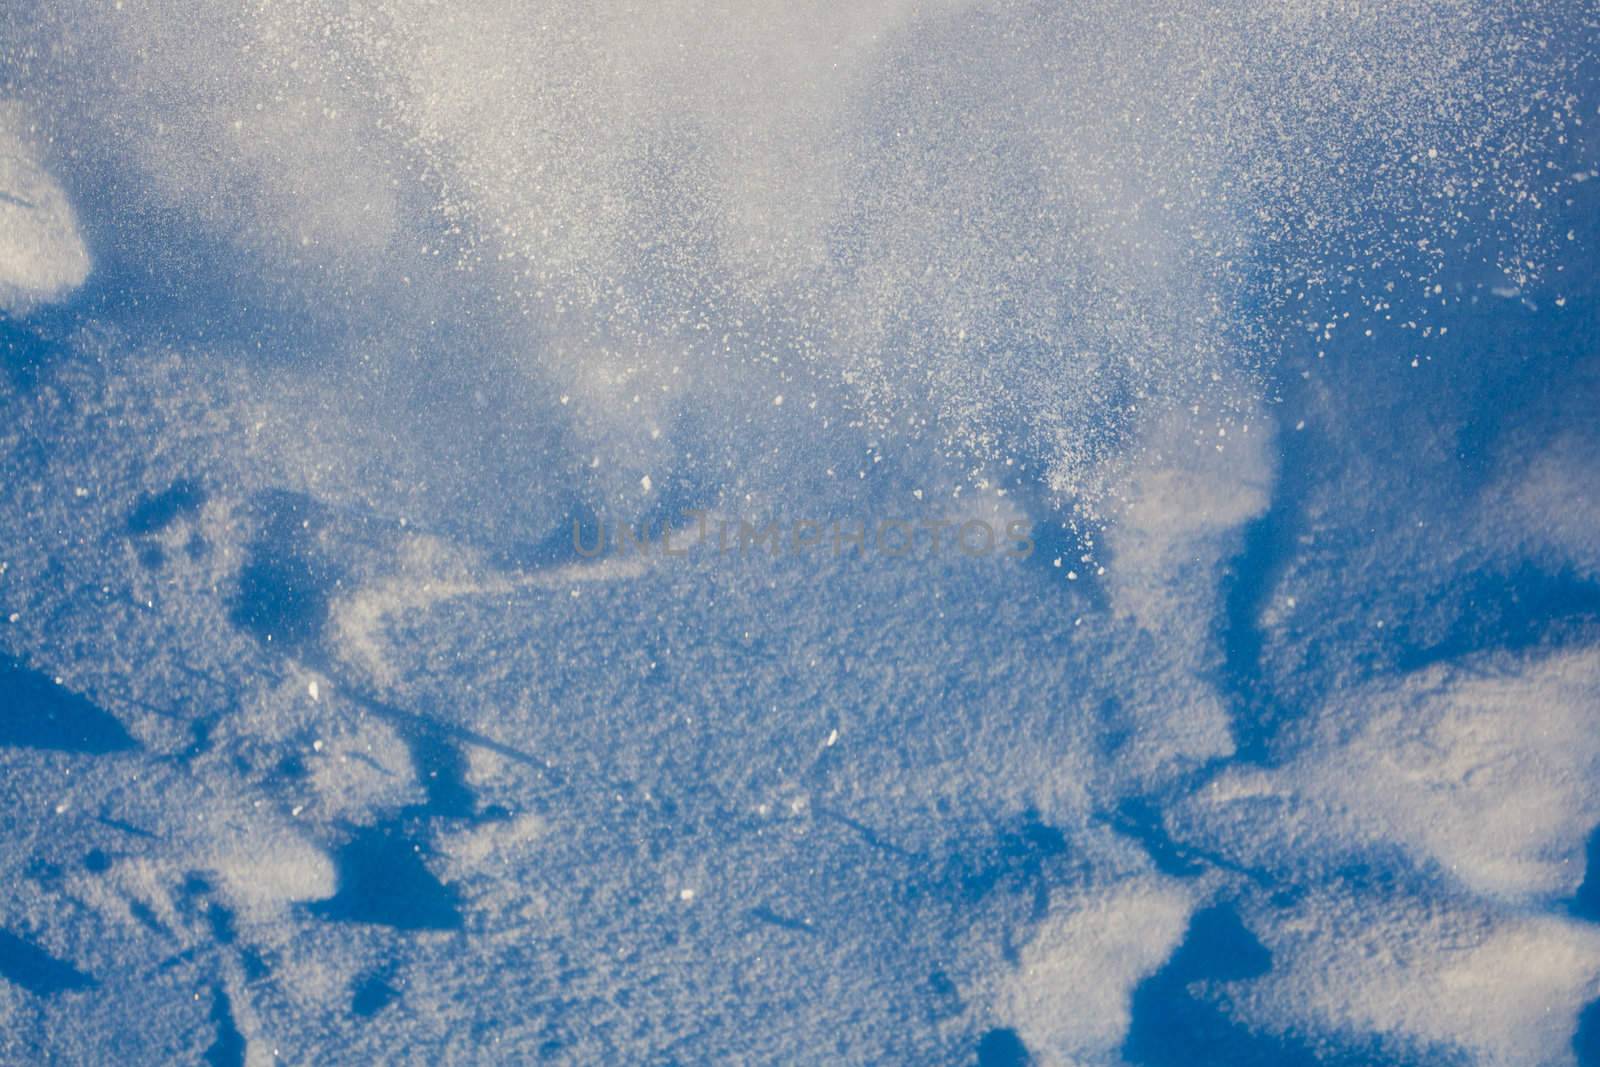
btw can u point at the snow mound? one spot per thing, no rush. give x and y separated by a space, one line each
1487 773
1090 955
42 255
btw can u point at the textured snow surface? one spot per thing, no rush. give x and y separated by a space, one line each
321 741
42 257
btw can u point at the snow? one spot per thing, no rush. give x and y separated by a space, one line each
1089 955
351 758
1482 769
1495 988
42 254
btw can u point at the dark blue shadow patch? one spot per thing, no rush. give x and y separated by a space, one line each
1002 1048
154 512
1173 1028
285 585
1586 903
1586 1042
371 995
35 712
35 970
228 1048
383 881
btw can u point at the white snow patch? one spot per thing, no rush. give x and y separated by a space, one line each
1505 989
266 871
42 255
1070 997
1490 774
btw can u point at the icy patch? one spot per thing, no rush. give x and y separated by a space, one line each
42 255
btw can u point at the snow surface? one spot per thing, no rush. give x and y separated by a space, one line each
320 742
42 255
